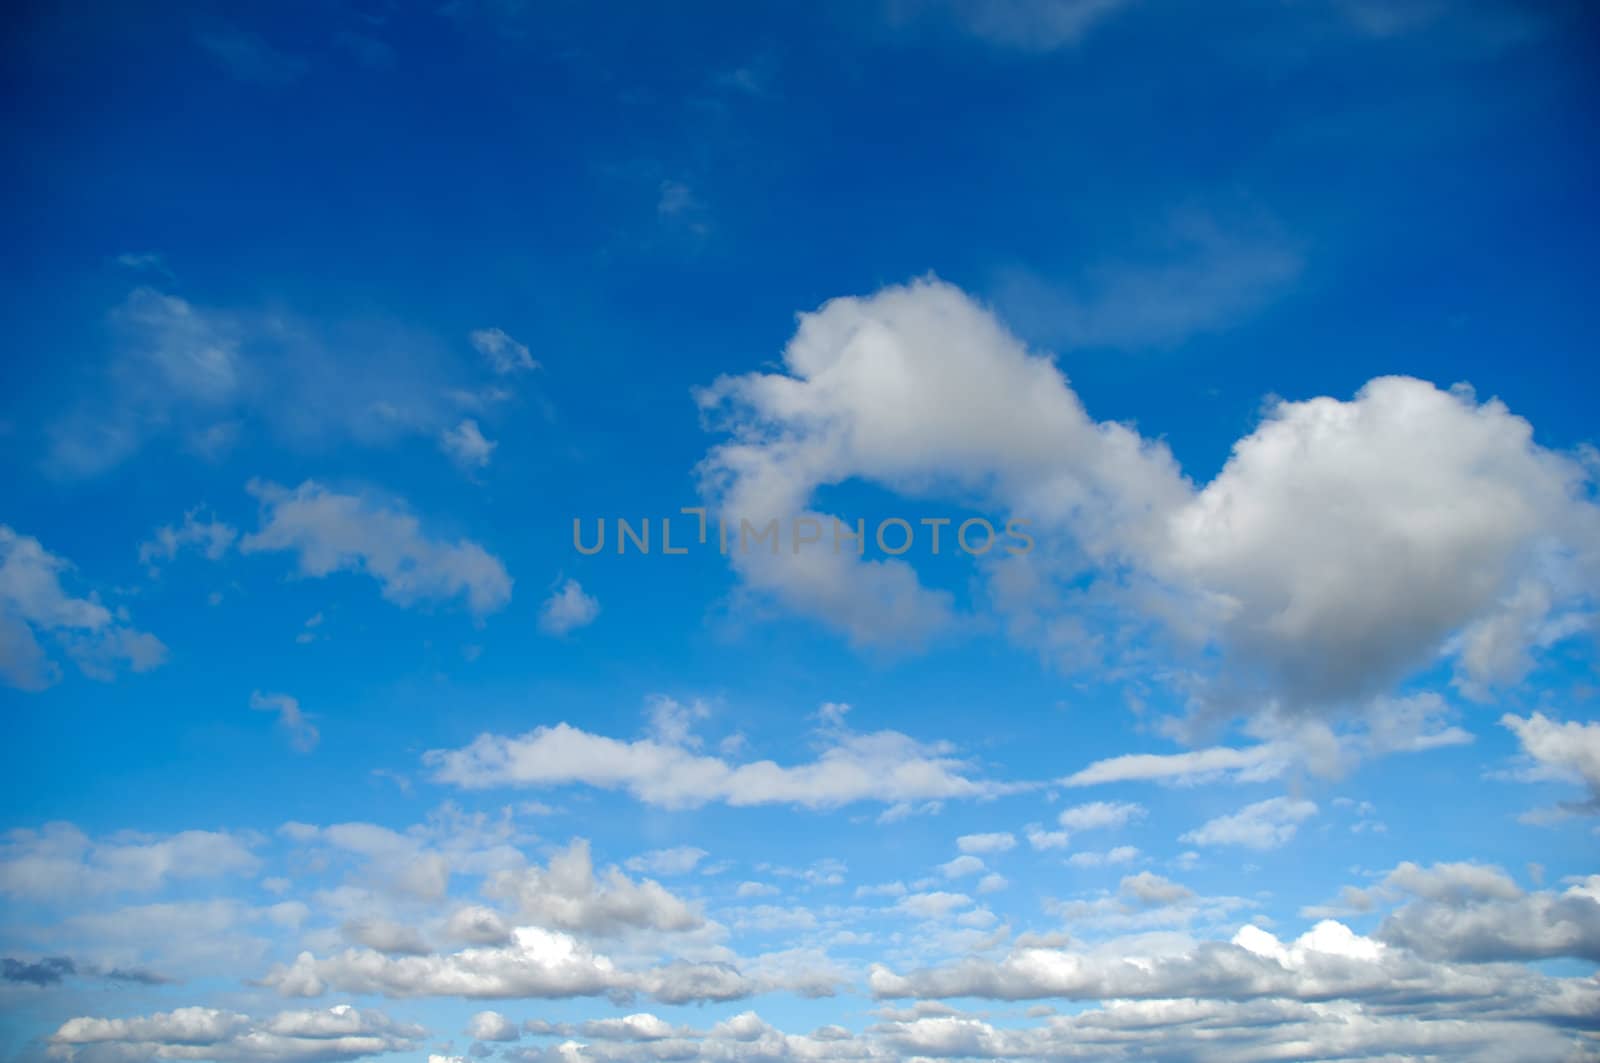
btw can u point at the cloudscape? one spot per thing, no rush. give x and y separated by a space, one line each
891 531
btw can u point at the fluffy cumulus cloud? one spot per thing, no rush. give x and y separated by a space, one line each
333 532
492 1026
667 768
568 895
533 963
36 611
309 1036
1445 506
1470 538
921 390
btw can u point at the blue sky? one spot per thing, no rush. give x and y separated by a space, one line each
1268 323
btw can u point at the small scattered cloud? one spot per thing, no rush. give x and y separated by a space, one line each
568 609
679 860
35 610
303 734
466 445
1264 825
1100 815
504 354
211 537
329 532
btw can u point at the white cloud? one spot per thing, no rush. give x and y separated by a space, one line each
1561 751
568 609
993 883
1382 726
393 871
1097 815
534 963
466 445
884 766
919 390
933 905
331 532
33 604
504 354
962 866
756 889
492 1026
1252 764
1149 888
59 860
568 895
1122 854
998 842
1041 840
1213 1031
175 361
212 538
303 734
1403 471
679 860
338 1033
1263 825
